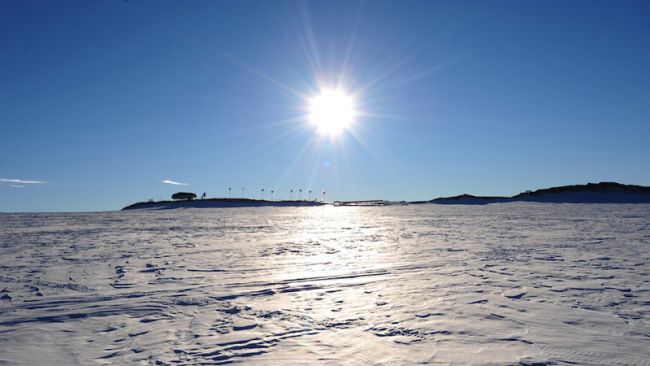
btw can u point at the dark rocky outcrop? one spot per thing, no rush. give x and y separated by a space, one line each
604 192
216 203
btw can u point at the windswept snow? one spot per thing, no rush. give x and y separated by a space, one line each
504 284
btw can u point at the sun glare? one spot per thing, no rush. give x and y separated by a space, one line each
332 111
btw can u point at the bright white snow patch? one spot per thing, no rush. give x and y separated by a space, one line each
504 284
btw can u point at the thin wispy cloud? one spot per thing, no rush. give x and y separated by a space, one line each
20 181
16 186
174 183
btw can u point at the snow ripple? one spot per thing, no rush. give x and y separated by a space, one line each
503 284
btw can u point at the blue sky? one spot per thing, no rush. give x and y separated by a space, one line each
103 100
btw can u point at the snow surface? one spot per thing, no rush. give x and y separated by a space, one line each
503 284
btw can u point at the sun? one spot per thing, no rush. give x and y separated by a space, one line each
332 111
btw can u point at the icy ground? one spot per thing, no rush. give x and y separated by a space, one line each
503 284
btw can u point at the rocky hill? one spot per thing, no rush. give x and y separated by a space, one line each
604 192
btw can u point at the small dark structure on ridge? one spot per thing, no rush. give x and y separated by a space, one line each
183 196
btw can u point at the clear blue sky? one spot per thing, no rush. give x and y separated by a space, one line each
103 100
